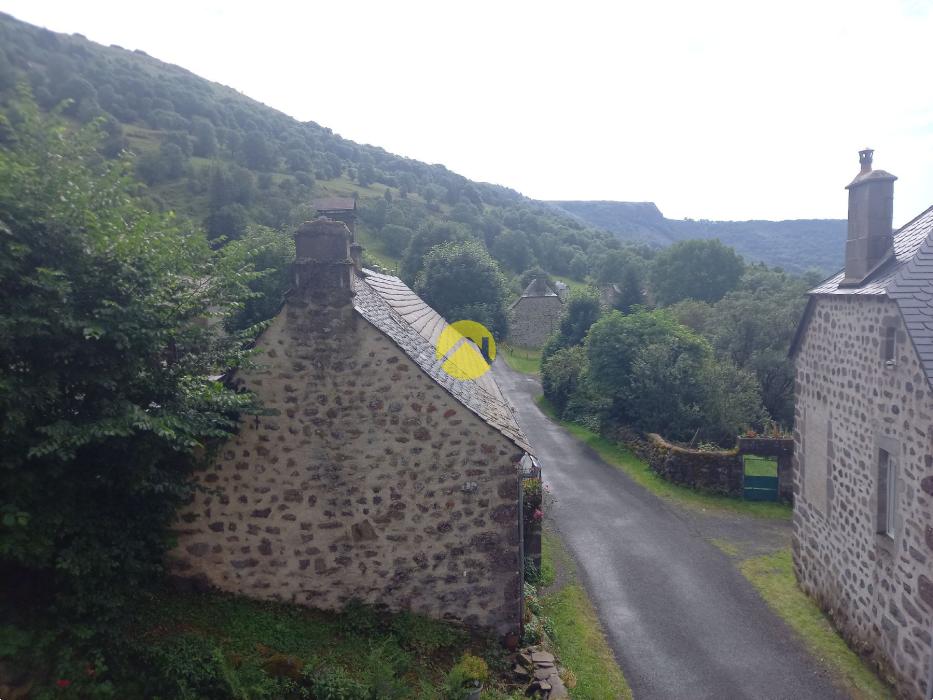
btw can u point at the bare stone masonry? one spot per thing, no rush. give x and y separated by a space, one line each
535 315
863 545
371 481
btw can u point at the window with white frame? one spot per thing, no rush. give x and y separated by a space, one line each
887 493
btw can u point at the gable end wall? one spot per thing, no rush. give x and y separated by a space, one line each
878 591
371 482
533 319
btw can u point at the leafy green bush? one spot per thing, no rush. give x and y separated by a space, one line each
580 312
335 684
358 618
462 281
424 636
385 662
561 376
532 602
104 370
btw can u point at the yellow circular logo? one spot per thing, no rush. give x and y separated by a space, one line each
461 358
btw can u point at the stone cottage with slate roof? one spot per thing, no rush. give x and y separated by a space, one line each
377 476
863 510
535 315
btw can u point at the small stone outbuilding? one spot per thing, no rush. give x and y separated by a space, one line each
378 476
863 457
535 315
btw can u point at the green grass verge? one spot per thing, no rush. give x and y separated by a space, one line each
578 636
524 360
623 459
773 576
725 546
549 554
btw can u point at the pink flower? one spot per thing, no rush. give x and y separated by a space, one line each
537 515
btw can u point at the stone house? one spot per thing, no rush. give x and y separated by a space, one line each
338 209
535 315
376 475
608 295
863 454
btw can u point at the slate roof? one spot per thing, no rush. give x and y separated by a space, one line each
387 303
335 204
538 288
907 278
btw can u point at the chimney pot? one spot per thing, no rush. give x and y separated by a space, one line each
870 241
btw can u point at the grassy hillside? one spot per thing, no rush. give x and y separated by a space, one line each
796 245
227 162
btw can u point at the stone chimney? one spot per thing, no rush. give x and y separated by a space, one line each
323 270
339 209
356 255
870 240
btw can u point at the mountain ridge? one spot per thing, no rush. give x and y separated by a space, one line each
797 245
227 160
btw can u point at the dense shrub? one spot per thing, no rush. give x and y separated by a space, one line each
561 376
580 312
462 281
105 366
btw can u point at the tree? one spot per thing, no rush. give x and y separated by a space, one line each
704 270
230 185
512 249
257 154
579 266
395 239
229 221
168 163
428 235
732 402
461 281
650 369
205 138
609 268
753 326
270 253
627 270
561 376
105 369
631 290
580 312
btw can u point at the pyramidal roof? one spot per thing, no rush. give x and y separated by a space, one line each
538 288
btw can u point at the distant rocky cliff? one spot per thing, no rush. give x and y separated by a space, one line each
795 245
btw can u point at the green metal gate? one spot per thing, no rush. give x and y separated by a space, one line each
760 481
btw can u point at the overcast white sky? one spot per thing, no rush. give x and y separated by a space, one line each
712 109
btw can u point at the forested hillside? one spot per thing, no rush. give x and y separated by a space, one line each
796 245
227 162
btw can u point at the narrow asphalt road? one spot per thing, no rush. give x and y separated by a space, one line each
682 621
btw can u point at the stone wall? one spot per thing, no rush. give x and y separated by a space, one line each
533 319
878 589
718 472
370 482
